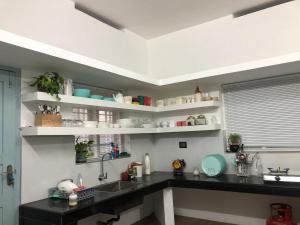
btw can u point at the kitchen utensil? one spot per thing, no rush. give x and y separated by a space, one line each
99 97
90 123
82 92
128 99
66 186
68 87
213 165
118 97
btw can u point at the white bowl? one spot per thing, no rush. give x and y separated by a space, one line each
126 123
148 125
90 123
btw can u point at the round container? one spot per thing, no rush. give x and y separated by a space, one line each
82 92
99 97
213 165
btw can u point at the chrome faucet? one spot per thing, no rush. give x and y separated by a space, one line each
103 176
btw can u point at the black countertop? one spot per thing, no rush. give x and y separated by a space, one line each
149 184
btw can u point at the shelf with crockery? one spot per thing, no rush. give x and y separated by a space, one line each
41 97
69 131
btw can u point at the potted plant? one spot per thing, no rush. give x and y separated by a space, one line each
49 82
83 150
234 142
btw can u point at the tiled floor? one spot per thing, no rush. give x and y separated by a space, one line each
180 220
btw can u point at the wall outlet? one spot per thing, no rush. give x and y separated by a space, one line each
182 144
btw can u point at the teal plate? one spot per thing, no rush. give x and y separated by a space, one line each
213 165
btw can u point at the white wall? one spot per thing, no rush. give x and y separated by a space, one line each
58 23
226 41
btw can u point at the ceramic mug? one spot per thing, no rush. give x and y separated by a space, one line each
172 123
164 124
128 99
160 103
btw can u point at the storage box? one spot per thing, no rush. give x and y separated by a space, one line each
48 120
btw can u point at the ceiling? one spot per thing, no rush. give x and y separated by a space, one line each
153 18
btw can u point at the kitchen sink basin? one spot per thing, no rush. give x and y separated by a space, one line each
116 186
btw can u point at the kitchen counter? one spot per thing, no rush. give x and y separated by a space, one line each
48 211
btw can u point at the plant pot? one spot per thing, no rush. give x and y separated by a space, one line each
178 172
234 147
80 157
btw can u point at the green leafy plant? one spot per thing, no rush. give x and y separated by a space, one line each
234 139
83 150
49 82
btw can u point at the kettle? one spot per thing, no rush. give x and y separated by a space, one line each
118 97
66 186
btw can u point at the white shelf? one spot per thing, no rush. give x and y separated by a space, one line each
65 131
94 103
189 128
85 102
203 104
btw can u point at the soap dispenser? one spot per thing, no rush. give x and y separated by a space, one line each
147 164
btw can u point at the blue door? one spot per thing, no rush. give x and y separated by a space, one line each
9 147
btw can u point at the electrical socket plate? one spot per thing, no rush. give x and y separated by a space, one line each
182 144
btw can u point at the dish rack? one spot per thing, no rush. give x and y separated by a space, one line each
82 194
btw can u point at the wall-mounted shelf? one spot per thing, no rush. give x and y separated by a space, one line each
40 97
65 131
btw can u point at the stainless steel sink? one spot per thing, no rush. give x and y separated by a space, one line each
116 186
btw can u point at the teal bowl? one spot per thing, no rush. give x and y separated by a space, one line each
82 92
214 165
108 99
99 97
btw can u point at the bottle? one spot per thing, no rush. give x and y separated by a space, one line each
198 94
73 199
147 164
80 181
259 166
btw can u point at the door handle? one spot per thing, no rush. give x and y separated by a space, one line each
10 171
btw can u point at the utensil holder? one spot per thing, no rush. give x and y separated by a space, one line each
48 120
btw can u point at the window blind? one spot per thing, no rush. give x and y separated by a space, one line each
265 112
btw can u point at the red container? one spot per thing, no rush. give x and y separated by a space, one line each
281 214
147 101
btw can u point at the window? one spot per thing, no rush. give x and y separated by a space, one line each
265 112
102 143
